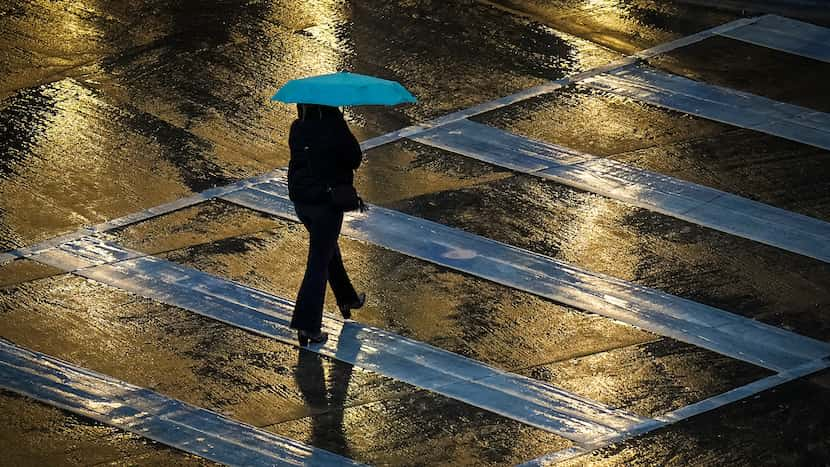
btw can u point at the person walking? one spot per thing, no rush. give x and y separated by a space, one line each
324 156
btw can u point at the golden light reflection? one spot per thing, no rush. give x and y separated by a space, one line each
315 42
76 173
597 243
592 4
75 26
614 22
321 21
609 14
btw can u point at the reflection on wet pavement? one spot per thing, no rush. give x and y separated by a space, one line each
653 389
649 379
623 25
150 414
404 170
111 107
68 149
326 399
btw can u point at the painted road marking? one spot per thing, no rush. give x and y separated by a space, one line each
513 396
414 130
737 108
661 313
587 423
786 35
649 190
149 414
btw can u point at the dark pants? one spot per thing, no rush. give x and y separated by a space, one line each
324 263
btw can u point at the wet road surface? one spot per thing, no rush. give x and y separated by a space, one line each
109 108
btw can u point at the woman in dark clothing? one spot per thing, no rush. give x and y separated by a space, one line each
324 153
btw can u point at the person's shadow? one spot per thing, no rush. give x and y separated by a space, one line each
325 400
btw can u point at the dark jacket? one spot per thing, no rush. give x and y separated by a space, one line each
324 153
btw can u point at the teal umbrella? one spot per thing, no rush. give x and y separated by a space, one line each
342 89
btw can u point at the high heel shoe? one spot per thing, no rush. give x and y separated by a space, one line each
346 309
305 337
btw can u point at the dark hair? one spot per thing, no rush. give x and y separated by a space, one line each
317 112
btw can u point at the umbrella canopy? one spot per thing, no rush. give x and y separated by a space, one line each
342 89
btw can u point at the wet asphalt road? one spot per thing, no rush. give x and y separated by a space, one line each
107 107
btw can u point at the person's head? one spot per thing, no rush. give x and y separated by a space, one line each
317 112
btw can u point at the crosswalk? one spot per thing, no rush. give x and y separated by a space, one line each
658 312
588 424
513 396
